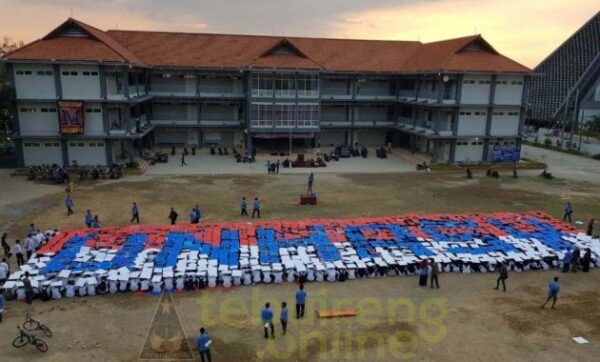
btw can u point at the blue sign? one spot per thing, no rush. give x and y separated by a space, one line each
506 153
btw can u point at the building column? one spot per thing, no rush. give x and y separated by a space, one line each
65 152
13 110
130 150
57 82
102 78
197 84
488 119
108 151
128 124
125 82
523 108
105 118
247 80
452 151
19 151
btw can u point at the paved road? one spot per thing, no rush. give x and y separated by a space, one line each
564 165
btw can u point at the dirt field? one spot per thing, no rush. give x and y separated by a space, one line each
466 319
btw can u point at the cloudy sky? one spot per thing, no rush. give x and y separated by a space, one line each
525 30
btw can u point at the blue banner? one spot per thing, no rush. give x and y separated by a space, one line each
506 153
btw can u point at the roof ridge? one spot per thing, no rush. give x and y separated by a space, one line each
294 46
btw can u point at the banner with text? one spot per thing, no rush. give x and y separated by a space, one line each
506 153
70 117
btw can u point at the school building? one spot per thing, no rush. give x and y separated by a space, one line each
98 97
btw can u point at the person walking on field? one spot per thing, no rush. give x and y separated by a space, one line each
244 206
267 320
503 275
553 290
568 212
283 317
69 205
173 216
5 246
203 343
88 218
311 180
135 214
435 271
586 260
590 228
300 301
423 273
183 159
19 253
256 208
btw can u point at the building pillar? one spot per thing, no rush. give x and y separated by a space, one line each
65 152
128 123
12 108
102 79
125 82
523 108
440 90
57 82
197 84
489 117
136 83
19 152
247 81
452 151
105 118
130 150
108 151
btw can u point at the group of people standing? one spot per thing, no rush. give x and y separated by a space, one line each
572 260
255 207
429 269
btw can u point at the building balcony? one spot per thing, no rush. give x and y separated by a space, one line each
335 123
376 123
335 96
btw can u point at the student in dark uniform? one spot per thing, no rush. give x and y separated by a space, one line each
243 207
135 214
69 205
503 275
173 216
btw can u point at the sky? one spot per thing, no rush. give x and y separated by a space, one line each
524 30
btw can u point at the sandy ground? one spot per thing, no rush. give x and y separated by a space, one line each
466 319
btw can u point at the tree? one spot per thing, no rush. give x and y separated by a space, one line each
592 126
7 92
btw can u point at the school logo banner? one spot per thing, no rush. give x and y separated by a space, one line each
70 117
506 153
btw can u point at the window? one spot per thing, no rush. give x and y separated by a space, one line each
85 73
28 72
308 115
284 115
484 82
65 73
284 86
99 144
52 110
92 144
81 144
19 72
498 113
308 86
48 72
94 74
262 115
74 73
56 144
468 81
262 85
72 144
28 110
97 110
48 144
40 72
516 82
44 110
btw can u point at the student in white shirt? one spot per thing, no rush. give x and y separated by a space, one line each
29 246
19 253
4 271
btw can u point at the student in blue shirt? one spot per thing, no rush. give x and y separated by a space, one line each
95 222
193 216
256 208
135 214
203 343
553 290
284 317
198 214
69 205
88 218
300 301
267 320
243 207
568 212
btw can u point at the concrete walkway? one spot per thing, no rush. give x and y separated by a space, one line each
565 165
205 164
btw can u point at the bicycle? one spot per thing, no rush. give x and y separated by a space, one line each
31 324
25 338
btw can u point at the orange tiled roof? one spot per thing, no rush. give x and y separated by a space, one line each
164 49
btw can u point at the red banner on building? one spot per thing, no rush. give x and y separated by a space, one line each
70 117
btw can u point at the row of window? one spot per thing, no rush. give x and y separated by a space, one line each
37 72
507 113
85 73
283 85
474 143
514 82
483 113
93 110
265 115
37 144
89 144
